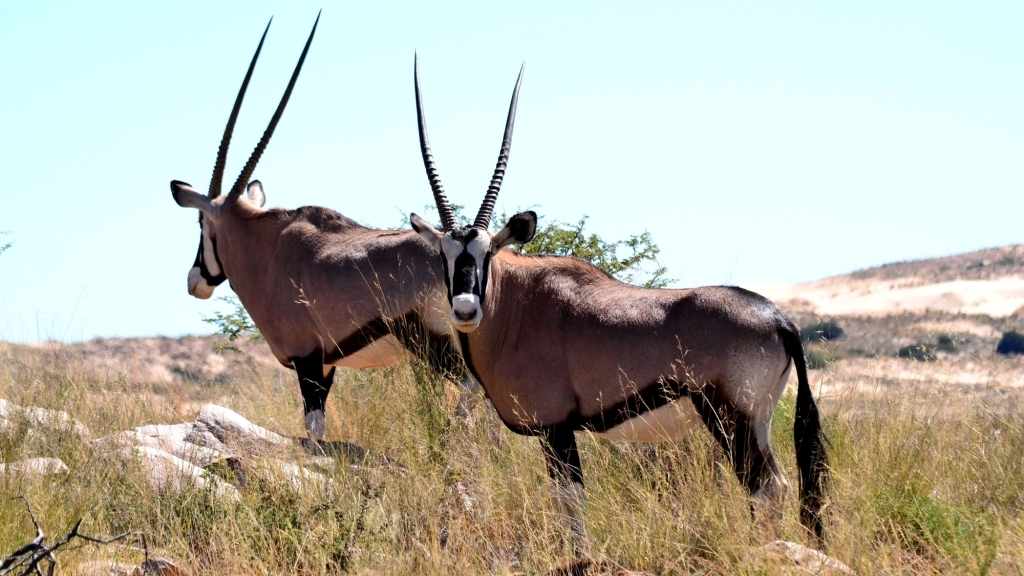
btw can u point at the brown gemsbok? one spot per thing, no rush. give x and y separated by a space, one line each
560 346
323 290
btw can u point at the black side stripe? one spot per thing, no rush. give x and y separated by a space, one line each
436 349
661 392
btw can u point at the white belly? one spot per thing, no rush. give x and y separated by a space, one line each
673 421
383 352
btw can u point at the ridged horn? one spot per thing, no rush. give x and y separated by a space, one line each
222 153
250 166
483 217
448 221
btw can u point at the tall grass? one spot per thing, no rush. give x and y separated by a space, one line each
920 487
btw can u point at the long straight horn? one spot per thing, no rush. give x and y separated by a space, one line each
250 166
222 153
448 221
483 217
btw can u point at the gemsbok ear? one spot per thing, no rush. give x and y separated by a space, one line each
426 231
519 230
255 192
187 197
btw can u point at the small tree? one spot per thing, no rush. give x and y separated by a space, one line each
5 247
633 260
235 325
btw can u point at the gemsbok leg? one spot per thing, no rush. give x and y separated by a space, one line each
563 463
315 380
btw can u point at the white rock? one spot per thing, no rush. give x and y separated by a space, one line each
171 443
218 427
297 475
10 413
810 561
36 467
168 472
173 431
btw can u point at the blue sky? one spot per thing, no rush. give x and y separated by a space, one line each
757 143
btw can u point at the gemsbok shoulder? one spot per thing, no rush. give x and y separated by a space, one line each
560 346
323 290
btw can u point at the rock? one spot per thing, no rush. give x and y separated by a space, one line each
152 567
219 428
105 568
36 467
59 420
157 567
168 472
172 431
809 560
171 442
295 474
589 567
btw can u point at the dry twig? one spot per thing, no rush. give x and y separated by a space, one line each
28 558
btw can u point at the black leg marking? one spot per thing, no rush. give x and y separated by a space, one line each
563 460
313 384
562 456
735 433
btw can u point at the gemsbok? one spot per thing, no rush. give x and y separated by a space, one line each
560 346
323 290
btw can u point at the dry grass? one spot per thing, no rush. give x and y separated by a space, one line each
923 483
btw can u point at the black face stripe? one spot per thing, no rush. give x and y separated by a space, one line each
487 273
464 280
200 262
447 278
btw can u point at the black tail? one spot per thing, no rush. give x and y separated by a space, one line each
811 458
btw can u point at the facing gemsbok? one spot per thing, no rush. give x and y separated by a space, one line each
559 346
366 293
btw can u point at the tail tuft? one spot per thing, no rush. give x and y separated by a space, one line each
811 457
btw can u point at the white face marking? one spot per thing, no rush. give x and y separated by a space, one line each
466 311
197 285
316 426
209 254
451 249
674 421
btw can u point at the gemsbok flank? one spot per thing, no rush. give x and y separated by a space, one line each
560 346
323 290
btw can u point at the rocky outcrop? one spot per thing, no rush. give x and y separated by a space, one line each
11 414
806 559
35 467
223 429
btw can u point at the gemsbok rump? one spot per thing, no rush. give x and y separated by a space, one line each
366 295
561 346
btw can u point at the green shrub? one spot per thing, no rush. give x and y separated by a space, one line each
926 351
1011 343
822 331
922 351
818 359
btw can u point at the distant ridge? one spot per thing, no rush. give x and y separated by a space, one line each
987 282
985 264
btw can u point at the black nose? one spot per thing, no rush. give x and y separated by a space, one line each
465 316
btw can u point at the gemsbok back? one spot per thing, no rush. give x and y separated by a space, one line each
366 295
560 346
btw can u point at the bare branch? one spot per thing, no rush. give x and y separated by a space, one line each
29 557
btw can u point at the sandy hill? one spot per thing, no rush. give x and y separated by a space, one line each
988 282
